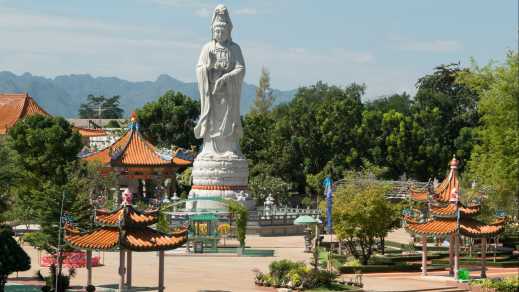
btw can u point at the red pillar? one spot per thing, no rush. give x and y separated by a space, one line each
424 255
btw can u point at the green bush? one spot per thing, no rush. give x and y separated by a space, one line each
510 284
279 269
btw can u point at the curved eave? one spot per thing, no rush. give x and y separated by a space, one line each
181 162
445 226
134 217
88 133
450 211
147 239
104 238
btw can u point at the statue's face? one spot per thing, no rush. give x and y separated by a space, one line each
219 34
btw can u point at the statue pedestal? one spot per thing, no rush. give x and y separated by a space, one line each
216 178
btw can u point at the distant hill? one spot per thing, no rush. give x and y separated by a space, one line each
63 95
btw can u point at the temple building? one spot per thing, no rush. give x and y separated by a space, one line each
17 106
445 216
126 230
137 163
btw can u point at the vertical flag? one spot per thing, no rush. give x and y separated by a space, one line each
329 202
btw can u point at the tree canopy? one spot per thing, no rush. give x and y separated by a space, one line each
495 158
100 107
170 120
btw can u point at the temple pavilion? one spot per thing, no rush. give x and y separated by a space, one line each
17 106
446 216
126 230
136 161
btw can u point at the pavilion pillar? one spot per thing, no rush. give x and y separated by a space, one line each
161 271
424 255
89 266
456 255
121 270
129 268
483 257
451 255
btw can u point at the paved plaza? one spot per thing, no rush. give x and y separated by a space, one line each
223 272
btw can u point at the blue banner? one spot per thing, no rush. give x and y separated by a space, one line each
328 185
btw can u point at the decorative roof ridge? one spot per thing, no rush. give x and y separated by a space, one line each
117 153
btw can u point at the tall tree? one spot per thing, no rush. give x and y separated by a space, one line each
46 153
264 99
170 120
100 107
444 114
495 158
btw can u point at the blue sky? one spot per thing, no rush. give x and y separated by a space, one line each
387 45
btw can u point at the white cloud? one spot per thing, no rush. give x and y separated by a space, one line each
245 11
203 12
430 46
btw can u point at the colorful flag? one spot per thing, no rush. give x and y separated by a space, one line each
329 202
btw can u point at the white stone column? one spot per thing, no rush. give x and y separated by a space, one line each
129 268
89 266
483 257
161 271
121 270
424 255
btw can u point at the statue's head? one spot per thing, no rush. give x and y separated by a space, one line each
221 24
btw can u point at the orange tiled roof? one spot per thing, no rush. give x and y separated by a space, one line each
84 132
133 150
147 239
102 238
450 210
444 226
16 106
133 217
419 195
140 239
450 184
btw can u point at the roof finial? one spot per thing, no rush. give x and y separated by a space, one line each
134 123
454 162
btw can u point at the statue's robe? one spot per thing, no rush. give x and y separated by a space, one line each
219 124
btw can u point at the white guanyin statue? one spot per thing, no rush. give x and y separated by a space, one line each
220 73
220 170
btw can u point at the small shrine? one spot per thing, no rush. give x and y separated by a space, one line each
127 230
138 163
446 216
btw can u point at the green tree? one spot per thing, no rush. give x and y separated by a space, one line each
264 99
170 120
100 107
495 158
46 154
444 115
262 185
361 215
12 257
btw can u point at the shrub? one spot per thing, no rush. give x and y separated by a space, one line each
279 269
500 285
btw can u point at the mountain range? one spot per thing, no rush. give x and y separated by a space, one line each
63 94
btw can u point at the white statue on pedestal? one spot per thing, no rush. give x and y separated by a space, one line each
220 170
220 73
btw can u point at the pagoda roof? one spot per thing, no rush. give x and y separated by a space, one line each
125 228
16 106
445 226
450 210
450 186
140 239
126 215
133 150
88 133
